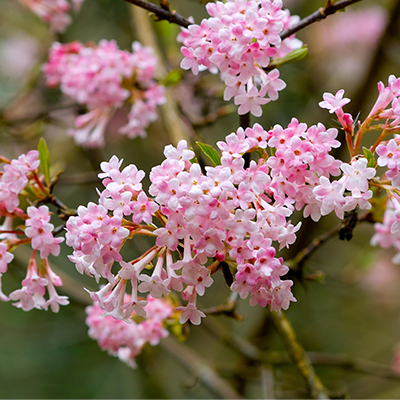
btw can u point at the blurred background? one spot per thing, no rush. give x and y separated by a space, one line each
353 312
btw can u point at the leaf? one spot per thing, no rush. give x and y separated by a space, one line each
173 78
370 157
44 158
293 56
210 152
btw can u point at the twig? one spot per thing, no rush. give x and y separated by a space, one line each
162 13
172 122
318 15
196 364
267 381
298 355
245 123
297 262
228 308
344 361
378 59
34 117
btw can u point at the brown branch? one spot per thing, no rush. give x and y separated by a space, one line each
343 361
244 121
298 356
197 365
162 13
378 59
318 15
297 262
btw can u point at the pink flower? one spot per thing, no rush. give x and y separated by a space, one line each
190 312
334 102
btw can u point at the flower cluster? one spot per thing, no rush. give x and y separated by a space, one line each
54 12
126 341
384 117
102 78
239 40
38 231
224 215
302 166
229 216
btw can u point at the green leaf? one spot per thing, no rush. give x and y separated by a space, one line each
44 158
210 152
293 56
173 78
370 157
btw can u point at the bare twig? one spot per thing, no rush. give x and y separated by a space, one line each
162 13
244 121
267 380
228 308
318 15
343 361
171 119
197 365
297 262
378 60
298 355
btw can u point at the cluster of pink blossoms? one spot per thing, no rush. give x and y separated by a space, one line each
239 40
229 214
54 12
17 175
102 78
126 341
302 166
221 216
386 115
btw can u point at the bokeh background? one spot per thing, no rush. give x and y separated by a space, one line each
353 312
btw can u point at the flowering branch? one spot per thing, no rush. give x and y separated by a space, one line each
318 15
162 13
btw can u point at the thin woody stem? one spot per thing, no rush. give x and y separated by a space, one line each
199 366
298 356
162 13
318 15
297 262
244 121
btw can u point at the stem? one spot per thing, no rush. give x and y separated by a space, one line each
245 123
380 138
298 355
360 134
171 119
318 15
349 144
297 262
162 13
197 365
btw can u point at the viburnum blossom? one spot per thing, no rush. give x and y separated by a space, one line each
54 12
126 340
229 213
18 175
239 40
102 78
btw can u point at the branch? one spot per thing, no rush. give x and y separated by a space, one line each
196 364
162 13
244 121
344 361
298 355
318 15
171 120
297 262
